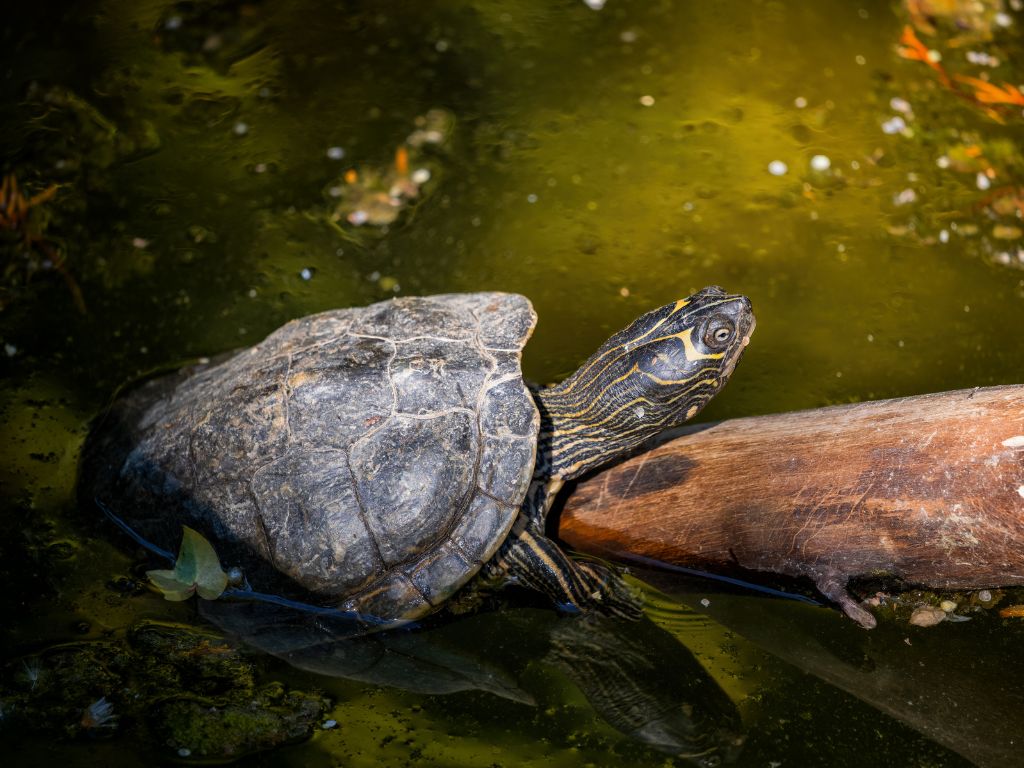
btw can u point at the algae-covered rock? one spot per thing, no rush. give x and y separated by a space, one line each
179 689
194 728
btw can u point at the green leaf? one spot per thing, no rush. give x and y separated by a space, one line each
197 570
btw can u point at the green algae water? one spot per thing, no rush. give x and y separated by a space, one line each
192 175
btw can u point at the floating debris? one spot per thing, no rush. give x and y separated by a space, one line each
895 124
927 616
820 163
377 196
1006 232
777 168
99 714
196 571
19 215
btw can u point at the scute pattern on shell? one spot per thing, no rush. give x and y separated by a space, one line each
375 456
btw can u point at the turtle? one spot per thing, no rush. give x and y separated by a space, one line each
376 459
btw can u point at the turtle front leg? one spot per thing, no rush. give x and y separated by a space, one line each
533 561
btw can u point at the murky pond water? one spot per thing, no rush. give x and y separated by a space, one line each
222 167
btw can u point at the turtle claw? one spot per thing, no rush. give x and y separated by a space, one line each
834 588
611 594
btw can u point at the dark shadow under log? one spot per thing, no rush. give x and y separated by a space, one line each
926 489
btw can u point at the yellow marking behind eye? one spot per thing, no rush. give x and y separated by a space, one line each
692 354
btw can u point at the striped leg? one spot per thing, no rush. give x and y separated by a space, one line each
537 562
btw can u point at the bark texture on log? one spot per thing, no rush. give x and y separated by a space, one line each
929 489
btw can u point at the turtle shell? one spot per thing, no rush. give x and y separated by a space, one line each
376 457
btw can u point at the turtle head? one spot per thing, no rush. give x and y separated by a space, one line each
658 372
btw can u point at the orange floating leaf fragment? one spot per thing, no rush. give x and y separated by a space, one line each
1012 611
918 51
402 161
990 93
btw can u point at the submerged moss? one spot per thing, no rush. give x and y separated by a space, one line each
157 684
198 729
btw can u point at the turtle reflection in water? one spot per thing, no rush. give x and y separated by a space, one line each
376 459
636 676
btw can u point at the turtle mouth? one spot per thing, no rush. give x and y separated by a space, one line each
730 364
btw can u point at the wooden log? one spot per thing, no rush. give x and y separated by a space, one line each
927 489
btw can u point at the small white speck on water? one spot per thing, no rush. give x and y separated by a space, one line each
705 602
184 752
860 60
967 307
10 350
624 292
777 168
441 46
899 104
1017 441
944 236
871 337
241 128
531 198
893 125
900 343
942 161
820 163
253 293
328 724
306 273
420 176
335 153
1020 491
172 23
647 100
799 102
982 181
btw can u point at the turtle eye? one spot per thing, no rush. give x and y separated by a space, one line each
719 332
